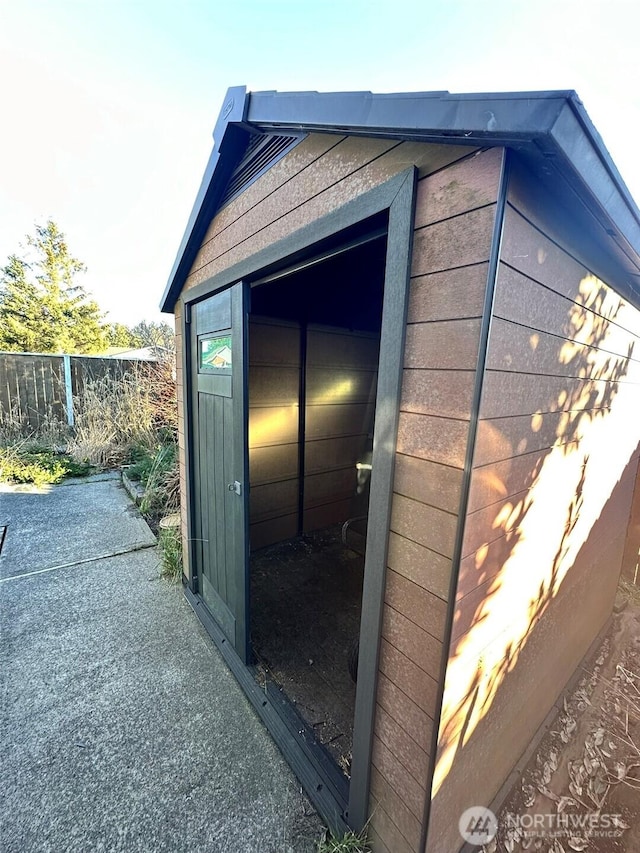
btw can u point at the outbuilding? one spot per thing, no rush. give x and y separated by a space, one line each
408 337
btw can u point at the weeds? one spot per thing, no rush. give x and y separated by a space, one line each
130 417
15 429
162 481
349 843
24 462
170 545
127 417
141 464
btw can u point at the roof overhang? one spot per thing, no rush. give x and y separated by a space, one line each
550 131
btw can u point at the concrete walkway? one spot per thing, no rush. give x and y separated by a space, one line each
121 728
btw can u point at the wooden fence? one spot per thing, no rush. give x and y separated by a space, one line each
35 387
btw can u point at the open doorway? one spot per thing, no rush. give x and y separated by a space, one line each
284 430
313 344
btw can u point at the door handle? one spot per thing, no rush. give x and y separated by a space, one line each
235 487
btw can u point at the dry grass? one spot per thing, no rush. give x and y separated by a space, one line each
170 546
116 414
15 429
588 764
113 415
119 417
630 591
162 483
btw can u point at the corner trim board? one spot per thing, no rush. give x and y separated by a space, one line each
485 331
391 357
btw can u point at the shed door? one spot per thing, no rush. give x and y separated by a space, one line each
218 341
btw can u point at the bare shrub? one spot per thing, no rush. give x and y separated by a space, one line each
161 379
116 414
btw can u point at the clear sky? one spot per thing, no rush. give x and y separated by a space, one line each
107 106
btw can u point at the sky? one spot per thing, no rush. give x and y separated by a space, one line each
108 107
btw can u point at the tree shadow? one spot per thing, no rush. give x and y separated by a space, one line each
521 549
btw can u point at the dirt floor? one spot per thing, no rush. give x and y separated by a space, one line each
306 596
581 788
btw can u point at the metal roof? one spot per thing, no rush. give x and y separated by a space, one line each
550 131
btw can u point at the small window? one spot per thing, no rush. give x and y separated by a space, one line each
215 354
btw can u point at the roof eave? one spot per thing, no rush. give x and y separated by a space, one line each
232 114
595 175
551 127
428 114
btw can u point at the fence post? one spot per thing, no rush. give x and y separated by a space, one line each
66 360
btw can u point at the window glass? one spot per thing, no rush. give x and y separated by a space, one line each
215 353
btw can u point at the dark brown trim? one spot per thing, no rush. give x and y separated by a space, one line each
187 425
240 306
549 131
485 331
268 705
394 321
325 256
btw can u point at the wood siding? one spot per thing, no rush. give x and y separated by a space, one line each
631 557
304 185
341 373
455 213
454 224
274 414
552 482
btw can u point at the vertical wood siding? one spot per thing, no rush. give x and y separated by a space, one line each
552 482
454 221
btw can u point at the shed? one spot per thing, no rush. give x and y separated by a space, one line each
408 338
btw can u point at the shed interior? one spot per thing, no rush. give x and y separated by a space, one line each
314 338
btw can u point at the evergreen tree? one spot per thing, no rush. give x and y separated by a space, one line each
21 313
119 335
42 306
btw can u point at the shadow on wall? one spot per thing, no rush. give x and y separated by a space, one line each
560 467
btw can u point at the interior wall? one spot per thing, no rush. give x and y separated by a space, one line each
341 375
340 383
274 411
552 483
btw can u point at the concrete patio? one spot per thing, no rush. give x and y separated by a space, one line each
122 729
